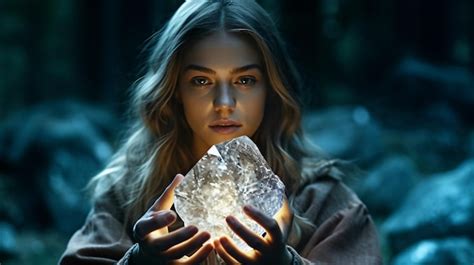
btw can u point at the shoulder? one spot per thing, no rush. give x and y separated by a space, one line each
322 192
324 205
109 194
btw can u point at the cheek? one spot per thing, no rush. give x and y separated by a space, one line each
193 111
255 109
189 110
260 101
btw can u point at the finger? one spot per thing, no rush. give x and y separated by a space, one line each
229 246
223 253
246 234
268 223
165 201
197 257
146 225
187 247
284 218
176 237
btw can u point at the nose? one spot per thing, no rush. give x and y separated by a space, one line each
224 99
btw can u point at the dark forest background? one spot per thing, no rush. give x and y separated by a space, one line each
388 85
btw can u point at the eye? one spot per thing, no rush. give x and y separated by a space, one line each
200 81
246 81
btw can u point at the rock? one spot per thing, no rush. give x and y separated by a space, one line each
452 251
345 132
8 247
440 206
51 152
229 176
432 149
438 115
387 184
470 144
413 78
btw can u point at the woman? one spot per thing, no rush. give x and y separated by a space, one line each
218 71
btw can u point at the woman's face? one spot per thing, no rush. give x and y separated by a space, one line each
222 86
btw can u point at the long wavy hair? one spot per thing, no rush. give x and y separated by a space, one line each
159 144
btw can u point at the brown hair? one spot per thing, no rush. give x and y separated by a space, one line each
159 143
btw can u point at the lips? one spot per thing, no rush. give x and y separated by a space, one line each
225 126
225 122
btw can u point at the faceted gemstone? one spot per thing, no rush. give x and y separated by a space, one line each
230 175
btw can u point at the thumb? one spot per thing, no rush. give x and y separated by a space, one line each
284 217
165 201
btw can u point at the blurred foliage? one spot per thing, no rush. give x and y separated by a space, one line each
91 50
39 247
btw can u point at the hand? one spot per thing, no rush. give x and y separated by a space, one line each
157 245
270 249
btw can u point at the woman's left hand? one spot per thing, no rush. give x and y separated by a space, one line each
268 249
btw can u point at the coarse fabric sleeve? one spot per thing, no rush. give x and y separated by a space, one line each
331 225
102 240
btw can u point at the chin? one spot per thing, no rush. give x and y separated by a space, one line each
222 138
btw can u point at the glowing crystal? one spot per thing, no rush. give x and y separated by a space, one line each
229 176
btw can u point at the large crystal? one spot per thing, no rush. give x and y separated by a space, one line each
230 175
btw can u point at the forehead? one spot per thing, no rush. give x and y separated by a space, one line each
222 49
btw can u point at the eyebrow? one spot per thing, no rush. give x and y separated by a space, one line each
233 71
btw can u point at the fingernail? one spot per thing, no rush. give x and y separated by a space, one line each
206 236
193 229
224 241
249 208
170 217
231 219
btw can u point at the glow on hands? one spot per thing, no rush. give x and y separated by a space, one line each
158 245
268 249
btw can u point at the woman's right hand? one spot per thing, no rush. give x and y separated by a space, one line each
158 246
